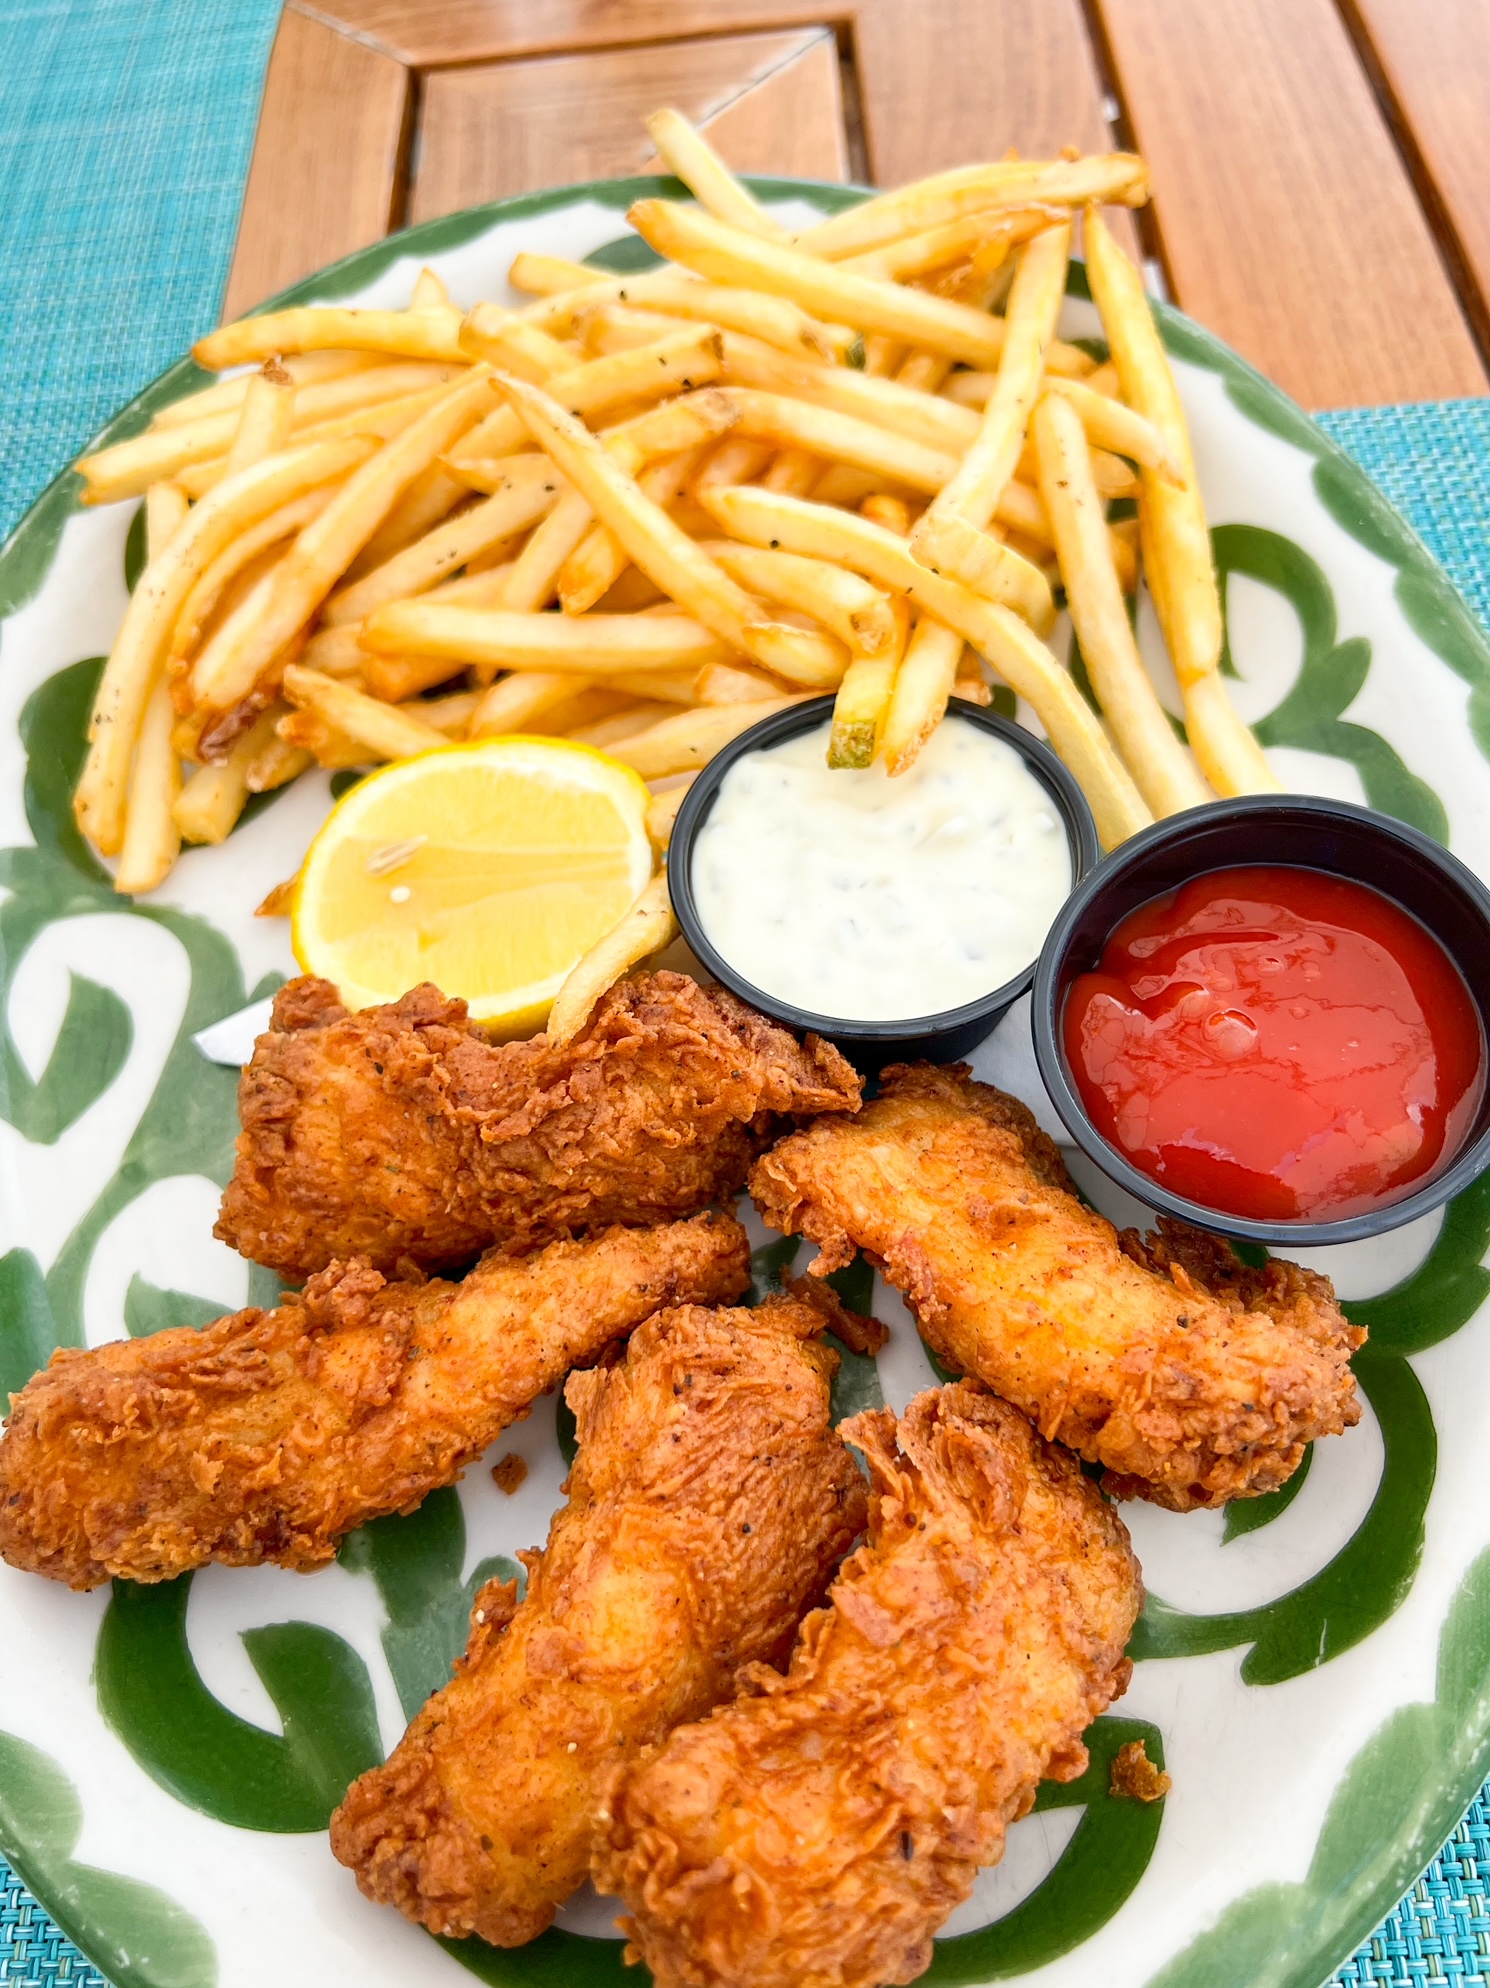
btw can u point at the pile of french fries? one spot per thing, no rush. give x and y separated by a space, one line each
645 511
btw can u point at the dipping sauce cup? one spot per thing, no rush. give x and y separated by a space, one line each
1326 841
940 1036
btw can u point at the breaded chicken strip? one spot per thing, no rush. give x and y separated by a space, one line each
1191 1376
270 1434
403 1133
816 1835
708 1507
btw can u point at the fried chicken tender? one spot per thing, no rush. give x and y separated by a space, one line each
817 1833
270 1434
1192 1377
708 1507
403 1133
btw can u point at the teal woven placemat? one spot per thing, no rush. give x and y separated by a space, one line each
125 129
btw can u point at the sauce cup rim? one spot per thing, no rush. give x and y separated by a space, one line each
1075 815
1052 977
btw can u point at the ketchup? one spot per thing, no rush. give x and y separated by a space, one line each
1277 1043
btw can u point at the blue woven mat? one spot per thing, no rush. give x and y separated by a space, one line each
125 130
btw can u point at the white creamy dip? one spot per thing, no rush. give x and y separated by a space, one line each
853 895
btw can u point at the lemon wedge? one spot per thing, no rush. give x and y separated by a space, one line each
488 868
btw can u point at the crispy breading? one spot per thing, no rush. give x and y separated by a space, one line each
403 1133
708 1507
1191 1376
269 1435
817 1833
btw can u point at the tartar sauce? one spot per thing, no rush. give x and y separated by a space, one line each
867 899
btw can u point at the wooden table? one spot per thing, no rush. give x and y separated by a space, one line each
1321 166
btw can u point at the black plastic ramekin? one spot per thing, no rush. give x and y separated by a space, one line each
1299 832
940 1038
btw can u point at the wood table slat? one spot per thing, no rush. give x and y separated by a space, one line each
1288 220
326 163
770 102
1435 64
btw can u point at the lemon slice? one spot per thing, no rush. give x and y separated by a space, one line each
488 868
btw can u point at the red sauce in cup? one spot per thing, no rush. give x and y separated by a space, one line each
1277 1043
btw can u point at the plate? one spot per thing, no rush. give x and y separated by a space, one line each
1313 1667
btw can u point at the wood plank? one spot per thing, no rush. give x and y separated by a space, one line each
771 102
428 34
1288 221
325 175
1432 64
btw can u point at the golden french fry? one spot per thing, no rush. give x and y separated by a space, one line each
334 750
659 686
891 512
1177 539
662 812
1034 307
1118 178
395 678
664 552
599 560
607 328
737 683
646 929
432 496
986 232
518 702
323 551
450 714
530 488
1111 425
672 293
432 334
306 369
918 698
869 304
690 157
140 647
152 841
863 700
735 460
543 275
235 559
490 331
795 471
824 432
534 579
927 418
393 733
603 725
690 739
951 546
213 798
265 420
1163 770
857 613
677 425
1015 651
279 902
430 293
165 510
276 765
482 589
586 644
335 651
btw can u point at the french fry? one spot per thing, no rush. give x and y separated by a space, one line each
544 275
1118 178
678 424
390 732
395 678
606 726
647 928
280 902
236 558
431 497
1177 537
534 579
322 552
335 651
140 646
599 560
795 471
611 328
518 703
450 714
1015 651
152 840
737 683
165 511
530 489
586 644
662 550
951 546
858 711
986 231
857 613
334 750
1163 770
735 460
482 589
891 512
1034 307
868 303
304 368
671 293
276 765
691 158
918 698
662 812
429 293
212 799
431 334
824 432
265 420
659 686
1110 425
514 343
690 739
